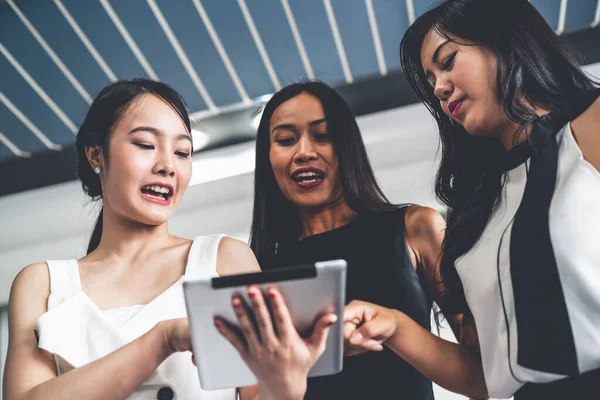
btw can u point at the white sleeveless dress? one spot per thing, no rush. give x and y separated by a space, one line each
76 332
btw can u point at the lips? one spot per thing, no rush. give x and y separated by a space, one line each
158 193
454 106
307 177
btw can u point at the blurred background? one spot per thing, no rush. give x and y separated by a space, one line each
226 57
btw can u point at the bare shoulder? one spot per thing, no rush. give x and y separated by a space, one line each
235 257
34 279
588 121
423 222
586 131
29 294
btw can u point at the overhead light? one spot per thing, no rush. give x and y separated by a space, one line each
200 138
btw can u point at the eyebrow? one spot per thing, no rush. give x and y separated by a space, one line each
291 127
157 132
436 53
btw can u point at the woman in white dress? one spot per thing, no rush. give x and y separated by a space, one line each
520 173
112 325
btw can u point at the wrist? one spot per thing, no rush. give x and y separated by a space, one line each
160 340
296 392
398 319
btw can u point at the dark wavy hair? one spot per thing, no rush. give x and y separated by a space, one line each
275 220
106 110
533 68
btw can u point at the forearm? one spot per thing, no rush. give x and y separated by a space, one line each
113 377
448 364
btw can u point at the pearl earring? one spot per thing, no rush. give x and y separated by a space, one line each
97 170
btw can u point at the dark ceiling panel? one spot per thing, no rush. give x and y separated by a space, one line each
201 51
55 30
318 40
232 29
102 33
272 24
22 96
357 37
392 20
21 44
20 135
150 38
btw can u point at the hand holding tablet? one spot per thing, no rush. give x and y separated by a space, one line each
271 347
275 339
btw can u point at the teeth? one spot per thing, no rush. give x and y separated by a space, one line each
158 189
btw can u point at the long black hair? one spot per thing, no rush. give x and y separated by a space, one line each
106 110
533 69
275 220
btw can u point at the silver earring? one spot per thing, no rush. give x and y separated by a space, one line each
97 170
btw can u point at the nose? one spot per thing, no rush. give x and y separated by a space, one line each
443 89
305 150
164 165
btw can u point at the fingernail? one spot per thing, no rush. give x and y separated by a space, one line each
271 294
218 324
252 294
236 302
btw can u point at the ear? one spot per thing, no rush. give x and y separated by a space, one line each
95 156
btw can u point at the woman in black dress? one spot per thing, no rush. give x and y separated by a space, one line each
316 198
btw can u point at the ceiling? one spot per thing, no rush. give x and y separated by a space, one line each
225 56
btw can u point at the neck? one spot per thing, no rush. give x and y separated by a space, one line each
333 216
512 134
126 239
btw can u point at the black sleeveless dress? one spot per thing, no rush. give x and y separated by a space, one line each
379 271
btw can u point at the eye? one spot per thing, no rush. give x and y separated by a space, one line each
182 154
285 141
144 146
322 137
448 61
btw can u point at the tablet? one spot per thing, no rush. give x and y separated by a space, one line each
309 291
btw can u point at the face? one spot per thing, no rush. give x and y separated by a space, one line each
463 77
149 162
302 155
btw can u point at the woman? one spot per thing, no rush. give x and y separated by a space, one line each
316 198
112 325
518 121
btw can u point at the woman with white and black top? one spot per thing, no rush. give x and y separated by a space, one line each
520 173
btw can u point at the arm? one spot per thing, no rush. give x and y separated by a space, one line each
30 372
454 367
448 364
425 229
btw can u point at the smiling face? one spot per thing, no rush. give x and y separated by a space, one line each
149 165
302 155
463 77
